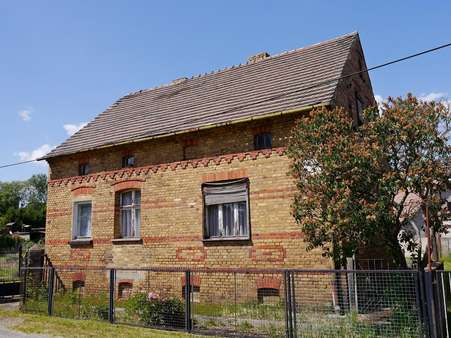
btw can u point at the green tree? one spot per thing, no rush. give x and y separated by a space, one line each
353 181
24 202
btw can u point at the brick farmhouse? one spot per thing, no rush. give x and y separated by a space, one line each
194 173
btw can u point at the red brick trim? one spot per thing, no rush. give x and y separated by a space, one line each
123 281
133 172
78 276
128 184
224 175
268 253
186 238
82 190
195 280
268 283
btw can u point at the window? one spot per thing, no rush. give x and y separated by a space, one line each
81 227
130 213
128 161
263 141
83 169
125 289
359 105
268 296
78 285
195 293
226 210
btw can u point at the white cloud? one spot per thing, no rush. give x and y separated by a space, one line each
71 129
25 114
34 154
433 97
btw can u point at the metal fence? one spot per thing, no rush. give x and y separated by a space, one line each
10 264
237 302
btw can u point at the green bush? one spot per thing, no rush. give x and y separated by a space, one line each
73 304
154 311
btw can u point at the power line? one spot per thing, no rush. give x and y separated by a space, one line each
17 163
318 84
275 97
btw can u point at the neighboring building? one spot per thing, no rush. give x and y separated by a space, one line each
194 173
441 243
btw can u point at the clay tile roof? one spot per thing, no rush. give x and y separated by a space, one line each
232 94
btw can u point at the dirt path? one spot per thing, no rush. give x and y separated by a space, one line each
6 323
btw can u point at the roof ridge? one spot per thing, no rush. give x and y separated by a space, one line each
240 65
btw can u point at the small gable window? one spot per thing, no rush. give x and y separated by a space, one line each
226 210
81 227
128 161
263 141
83 169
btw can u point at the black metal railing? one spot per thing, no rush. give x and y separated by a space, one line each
249 302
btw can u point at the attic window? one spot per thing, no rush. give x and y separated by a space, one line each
128 161
83 169
263 141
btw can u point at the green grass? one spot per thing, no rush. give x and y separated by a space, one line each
67 328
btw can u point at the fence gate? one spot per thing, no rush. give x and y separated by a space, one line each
10 267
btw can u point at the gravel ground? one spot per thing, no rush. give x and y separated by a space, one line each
7 323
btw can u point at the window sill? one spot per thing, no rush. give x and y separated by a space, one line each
81 242
127 241
235 240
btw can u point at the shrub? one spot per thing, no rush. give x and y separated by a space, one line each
152 310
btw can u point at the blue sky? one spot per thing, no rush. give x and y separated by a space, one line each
63 62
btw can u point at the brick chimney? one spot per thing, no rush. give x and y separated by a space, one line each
258 57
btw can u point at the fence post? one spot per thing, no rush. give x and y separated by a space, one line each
188 323
111 296
293 304
430 304
288 301
20 261
50 281
418 276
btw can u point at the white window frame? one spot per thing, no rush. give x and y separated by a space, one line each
75 220
132 207
208 237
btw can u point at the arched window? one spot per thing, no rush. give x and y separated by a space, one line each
268 296
130 213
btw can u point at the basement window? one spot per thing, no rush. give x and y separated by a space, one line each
268 296
125 290
78 285
128 161
263 141
226 210
195 294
